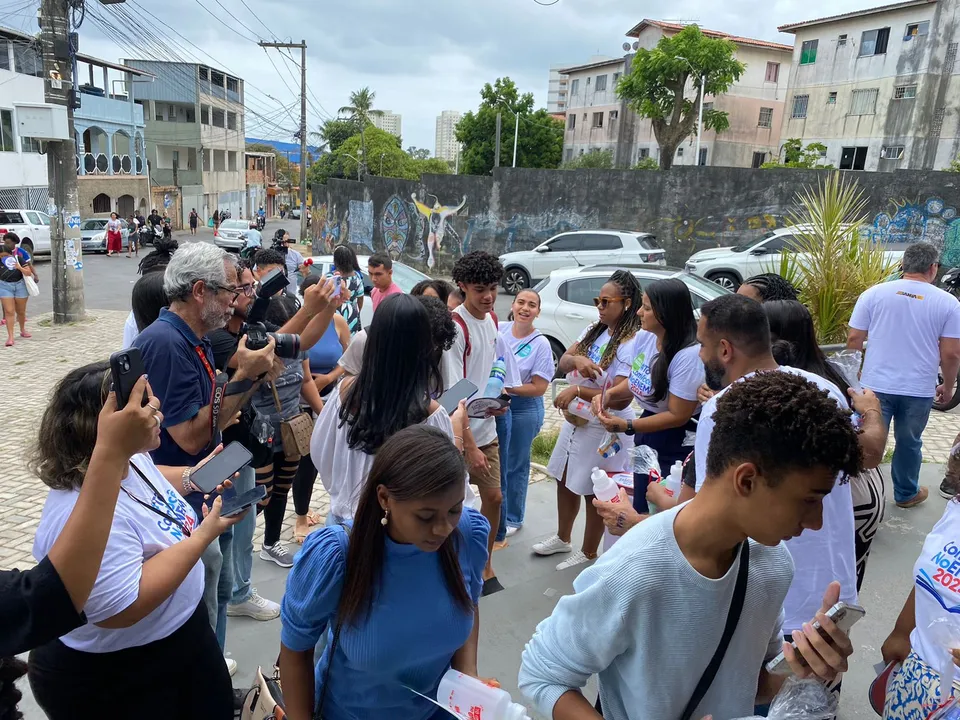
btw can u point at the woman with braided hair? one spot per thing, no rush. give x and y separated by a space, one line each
575 455
767 287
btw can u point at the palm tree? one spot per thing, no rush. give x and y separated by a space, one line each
361 110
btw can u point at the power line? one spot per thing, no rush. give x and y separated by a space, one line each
217 18
243 2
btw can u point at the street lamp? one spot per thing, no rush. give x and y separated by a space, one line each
381 163
357 162
703 88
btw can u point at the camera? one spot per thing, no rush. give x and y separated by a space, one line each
287 345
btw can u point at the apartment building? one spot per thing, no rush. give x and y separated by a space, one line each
262 187
877 86
558 90
195 143
598 120
390 121
446 145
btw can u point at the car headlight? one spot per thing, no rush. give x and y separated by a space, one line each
691 266
100 237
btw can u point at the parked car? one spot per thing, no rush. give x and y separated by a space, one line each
566 298
581 247
294 213
93 235
403 275
231 235
31 226
729 267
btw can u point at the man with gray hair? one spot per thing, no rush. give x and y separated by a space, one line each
913 329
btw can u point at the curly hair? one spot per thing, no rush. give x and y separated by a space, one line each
159 258
478 268
268 257
782 422
627 325
443 331
771 286
11 670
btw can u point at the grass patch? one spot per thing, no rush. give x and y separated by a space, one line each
542 447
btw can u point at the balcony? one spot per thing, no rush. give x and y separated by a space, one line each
94 110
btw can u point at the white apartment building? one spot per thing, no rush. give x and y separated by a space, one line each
23 171
447 148
557 89
877 86
389 121
598 120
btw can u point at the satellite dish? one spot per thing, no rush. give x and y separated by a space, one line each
626 47
636 44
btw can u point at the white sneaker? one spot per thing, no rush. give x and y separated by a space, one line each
231 666
511 530
578 558
255 607
552 546
278 554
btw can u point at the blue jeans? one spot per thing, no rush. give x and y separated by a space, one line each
516 431
224 586
909 416
243 543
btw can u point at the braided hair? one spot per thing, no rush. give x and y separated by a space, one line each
626 326
771 286
163 249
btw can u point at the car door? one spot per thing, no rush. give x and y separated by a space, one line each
600 249
575 310
555 254
765 257
40 229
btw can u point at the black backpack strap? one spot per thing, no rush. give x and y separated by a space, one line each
733 617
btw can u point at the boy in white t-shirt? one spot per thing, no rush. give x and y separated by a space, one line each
476 348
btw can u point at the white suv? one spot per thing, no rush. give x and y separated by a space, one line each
578 248
31 226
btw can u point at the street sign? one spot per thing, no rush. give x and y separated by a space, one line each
74 221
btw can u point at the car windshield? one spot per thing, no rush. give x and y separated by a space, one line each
93 225
648 242
744 246
406 277
705 287
235 225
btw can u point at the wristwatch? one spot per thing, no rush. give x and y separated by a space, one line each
188 486
629 432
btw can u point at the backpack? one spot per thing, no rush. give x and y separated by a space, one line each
458 319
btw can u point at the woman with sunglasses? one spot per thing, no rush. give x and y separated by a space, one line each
586 364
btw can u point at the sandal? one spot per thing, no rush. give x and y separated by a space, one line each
315 519
299 537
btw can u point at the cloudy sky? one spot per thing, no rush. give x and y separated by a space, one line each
420 57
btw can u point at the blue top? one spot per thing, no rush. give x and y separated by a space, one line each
410 636
326 352
181 381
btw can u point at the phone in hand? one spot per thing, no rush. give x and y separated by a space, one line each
221 467
126 368
844 615
238 503
463 390
337 283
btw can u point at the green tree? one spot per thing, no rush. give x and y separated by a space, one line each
797 156
539 144
647 163
595 159
360 110
654 88
335 132
418 153
430 166
327 166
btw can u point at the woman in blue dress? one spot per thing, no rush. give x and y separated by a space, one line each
396 595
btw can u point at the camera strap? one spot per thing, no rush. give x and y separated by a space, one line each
218 382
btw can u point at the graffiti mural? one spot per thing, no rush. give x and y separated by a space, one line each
360 216
910 221
395 226
436 218
730 228
523 231
327 228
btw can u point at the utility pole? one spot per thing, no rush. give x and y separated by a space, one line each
496 156
516 134
303 127
65 251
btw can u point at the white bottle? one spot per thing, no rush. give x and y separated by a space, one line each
468 698
675 480
604 488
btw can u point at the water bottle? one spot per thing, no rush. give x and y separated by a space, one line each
604 488
498 374
674 481
469 698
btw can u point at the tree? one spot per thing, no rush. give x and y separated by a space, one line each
647 163
595 159
418 153
326 167
334 133
655 86
540 142
360 110
430 166
797 156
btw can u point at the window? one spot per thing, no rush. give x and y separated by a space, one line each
29 145
832 98
707 107
6 131
218 118
601 241
232 84
808 52
601 84
572 122
905 92
204 114
219 161
231 121
566 243
679 152
582 291
216 78
766 118
916 30
842 40
864 102
598 120
853 158
232 161
588 80
614 115
204 74
101 203
27 60
891 152
874 42
206 159
568 155
575 86
4 57
702 160
773 72
616 78
781 244
800 106
643 153
759 158
158 112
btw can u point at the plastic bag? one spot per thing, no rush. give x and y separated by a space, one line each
801 700
646 462
848 363
945 633
610 445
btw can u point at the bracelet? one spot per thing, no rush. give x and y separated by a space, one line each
578 391
188 486
457 437
878 412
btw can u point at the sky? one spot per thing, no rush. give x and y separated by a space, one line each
419 56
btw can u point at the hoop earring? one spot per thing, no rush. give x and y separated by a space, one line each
386 515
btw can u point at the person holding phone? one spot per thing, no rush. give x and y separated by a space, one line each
347 267
15 264
146 625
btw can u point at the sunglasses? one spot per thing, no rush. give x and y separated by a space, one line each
602 303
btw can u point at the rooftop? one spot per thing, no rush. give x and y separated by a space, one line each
593 65
677 27
793 27
89 59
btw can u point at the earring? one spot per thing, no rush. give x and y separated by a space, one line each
383 520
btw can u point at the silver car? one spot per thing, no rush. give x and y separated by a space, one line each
93 235
231 234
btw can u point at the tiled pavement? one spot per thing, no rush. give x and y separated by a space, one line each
32 367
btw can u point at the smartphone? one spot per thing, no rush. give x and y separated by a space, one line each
845 616
222 467
463 390
337 282
239 503
126 368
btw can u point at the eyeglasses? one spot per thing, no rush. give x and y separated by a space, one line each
234 291
248 290
602 303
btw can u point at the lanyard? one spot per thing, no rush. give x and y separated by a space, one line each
216 394
151 508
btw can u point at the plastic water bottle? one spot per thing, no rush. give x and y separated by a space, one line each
674 481
604 488
498 374
469 698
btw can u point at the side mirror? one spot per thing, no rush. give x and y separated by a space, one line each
759 251
542 249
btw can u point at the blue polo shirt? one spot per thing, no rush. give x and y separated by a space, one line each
181 381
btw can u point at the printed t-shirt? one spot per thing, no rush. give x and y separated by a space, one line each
636 359
532 354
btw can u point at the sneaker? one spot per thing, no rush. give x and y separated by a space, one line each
255 607
915 500
276 553
578 558
948 489
552 546
231 665
512 530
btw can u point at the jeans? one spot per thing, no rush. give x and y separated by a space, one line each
516 431
224 586
212 560
243 542
909 416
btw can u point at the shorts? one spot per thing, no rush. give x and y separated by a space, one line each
16 289
490 477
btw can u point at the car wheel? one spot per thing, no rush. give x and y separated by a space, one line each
27 244
728 281
556 350
515 280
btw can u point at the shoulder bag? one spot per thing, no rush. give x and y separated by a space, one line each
295 432
32 288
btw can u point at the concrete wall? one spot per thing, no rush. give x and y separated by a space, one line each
688 209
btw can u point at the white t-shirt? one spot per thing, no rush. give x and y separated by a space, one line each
352 359
635 360
821 556
130 331
595 354
937 574
904 321
136 535
485 347
532 354
293 260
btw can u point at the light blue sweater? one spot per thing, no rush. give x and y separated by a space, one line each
648 623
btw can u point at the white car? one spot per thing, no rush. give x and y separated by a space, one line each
576 249
93 235
566 298
729 267
231 234
31 226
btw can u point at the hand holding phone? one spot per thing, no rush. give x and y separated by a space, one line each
463 390
221 466
824 648
126 368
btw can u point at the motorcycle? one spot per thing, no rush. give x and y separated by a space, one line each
950 281
261 222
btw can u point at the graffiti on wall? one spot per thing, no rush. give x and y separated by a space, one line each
692 233
523 231
395 226
435 217
909 221
327 229
360 223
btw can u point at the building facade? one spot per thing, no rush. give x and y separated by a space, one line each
447 148
878 87
262 188
558 87
194 118
390 121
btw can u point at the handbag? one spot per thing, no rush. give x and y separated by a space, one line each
264 701
32 288
295 432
